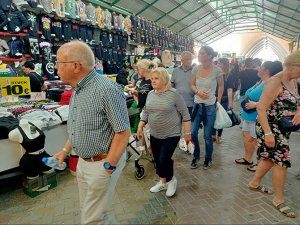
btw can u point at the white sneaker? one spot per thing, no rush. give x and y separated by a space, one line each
172 185
158 187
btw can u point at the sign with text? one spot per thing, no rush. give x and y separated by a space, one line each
14 86
38 96
9 99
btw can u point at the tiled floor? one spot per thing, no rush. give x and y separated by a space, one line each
215 196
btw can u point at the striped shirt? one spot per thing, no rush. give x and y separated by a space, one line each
97 111
164 112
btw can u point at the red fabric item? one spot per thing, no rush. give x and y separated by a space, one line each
73 160
66 97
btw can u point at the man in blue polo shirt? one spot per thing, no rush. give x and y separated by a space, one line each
181 77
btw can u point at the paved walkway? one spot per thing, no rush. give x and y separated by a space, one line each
215 196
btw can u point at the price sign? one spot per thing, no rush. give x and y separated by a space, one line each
14 86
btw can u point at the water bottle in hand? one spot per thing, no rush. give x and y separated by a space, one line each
53 162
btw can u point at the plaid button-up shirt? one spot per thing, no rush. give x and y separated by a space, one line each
97 110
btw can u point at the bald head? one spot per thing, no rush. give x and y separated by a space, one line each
78 51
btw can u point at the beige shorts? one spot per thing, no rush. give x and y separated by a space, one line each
250 127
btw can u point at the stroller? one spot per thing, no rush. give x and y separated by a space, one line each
140 151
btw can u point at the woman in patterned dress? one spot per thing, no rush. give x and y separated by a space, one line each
279 99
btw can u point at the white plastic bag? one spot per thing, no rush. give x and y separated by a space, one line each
191 147
222 118
182 145
188 148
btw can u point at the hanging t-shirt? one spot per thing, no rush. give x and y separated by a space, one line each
96 36
46 27
33 23
82 33
127 25
115 21
71 8
46 50
100 17
57 29
91 13
121 20
81 10
47 5
108 18
67 30
59 7
75 31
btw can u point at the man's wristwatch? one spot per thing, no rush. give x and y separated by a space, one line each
107 166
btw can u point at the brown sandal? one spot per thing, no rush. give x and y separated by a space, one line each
252 168
243 161
298 176
285 210
262 189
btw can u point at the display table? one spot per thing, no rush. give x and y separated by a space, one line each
11 152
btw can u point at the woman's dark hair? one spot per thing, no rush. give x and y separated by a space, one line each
273 67
29 65
210 51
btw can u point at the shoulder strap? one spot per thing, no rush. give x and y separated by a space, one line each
22 132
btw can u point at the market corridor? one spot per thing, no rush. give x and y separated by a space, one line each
216 196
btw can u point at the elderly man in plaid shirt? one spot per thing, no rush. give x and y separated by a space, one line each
98 129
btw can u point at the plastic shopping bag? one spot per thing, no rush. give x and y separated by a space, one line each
188 148
222 118
182 145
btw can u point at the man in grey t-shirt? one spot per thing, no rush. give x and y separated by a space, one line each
181 77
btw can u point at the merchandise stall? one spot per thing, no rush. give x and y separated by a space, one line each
11 152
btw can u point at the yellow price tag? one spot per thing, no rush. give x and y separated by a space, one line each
14 86
111 77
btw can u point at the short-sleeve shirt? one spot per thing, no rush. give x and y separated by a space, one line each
143 89
207 84
254 94
181 80
97 111
248 78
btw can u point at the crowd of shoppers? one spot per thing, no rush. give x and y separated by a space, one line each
98 127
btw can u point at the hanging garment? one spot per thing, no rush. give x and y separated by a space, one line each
91 13
15 47
47 5
56 29
16 21
33 23
71 8
108 18
67 30
81 10
100 15
60 7
45 25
